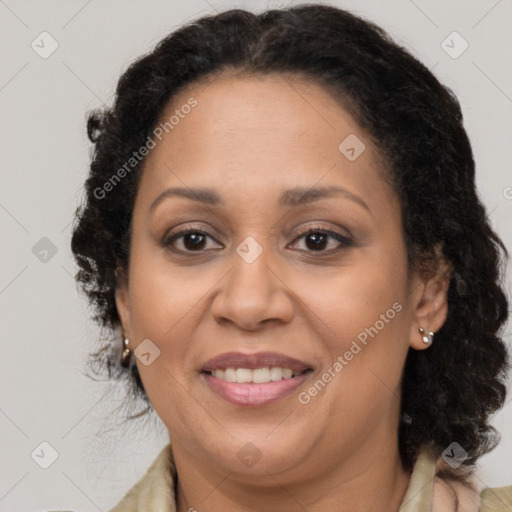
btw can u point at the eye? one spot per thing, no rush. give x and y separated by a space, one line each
193 240
316 239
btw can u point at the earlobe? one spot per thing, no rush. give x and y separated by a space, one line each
431 306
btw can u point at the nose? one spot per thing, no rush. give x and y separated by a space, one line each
253 293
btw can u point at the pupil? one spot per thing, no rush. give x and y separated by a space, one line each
194 245
319 243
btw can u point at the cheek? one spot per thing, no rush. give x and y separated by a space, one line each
361 321
162 294
164 303
361 301
162 310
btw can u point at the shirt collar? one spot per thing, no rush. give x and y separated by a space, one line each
418 497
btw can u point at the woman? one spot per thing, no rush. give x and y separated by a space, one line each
282 231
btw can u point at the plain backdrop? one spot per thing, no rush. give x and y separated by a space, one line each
45 325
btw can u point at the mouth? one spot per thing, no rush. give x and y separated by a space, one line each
254 393
254 379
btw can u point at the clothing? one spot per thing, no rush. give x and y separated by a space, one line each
154 492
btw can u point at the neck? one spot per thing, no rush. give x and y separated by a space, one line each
379 479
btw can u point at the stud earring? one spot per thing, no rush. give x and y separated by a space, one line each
427 338
126 354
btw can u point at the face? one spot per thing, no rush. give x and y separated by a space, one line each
293 248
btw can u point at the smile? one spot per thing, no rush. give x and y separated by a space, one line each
261 386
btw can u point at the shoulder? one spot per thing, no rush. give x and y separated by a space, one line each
465 497
467 494
496 499
155 489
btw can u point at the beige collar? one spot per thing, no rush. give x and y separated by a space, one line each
426 492
418 497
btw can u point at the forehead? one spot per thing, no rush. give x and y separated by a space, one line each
254 133
279 108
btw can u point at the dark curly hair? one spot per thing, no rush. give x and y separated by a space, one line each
448 391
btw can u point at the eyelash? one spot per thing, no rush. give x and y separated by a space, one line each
345 241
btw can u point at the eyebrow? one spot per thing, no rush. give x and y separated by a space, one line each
294 197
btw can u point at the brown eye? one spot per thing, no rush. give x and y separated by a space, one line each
317 240
192 240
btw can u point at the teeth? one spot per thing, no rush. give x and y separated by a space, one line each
261 375
258 376
243 375
229 375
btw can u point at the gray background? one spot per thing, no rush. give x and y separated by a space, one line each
46 331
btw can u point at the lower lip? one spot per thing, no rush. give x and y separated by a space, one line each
251 393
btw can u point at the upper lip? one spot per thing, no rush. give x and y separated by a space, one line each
253 361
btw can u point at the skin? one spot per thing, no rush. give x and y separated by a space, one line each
249 138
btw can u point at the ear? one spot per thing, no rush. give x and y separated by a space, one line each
430 300
122 298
